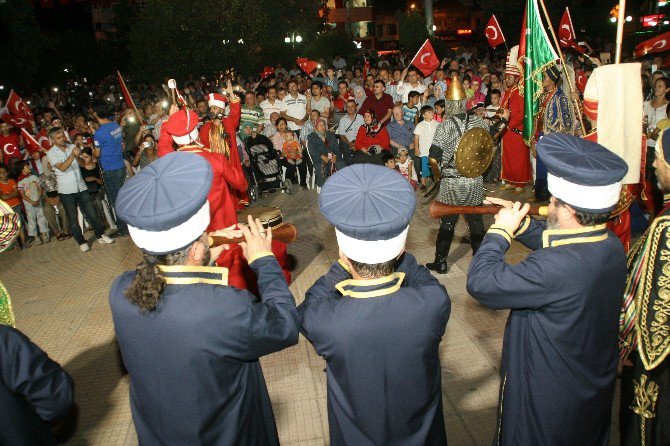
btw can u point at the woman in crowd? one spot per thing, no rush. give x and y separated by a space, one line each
90 171
146 152
324 149
371 135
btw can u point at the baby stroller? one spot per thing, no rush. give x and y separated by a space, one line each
265 173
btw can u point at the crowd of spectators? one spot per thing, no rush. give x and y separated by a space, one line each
318 122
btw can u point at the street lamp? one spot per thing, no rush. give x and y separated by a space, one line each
293 39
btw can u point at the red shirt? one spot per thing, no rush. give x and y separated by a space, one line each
363 141
8 188
380 106
10 148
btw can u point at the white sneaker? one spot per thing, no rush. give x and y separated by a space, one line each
84 247
105 239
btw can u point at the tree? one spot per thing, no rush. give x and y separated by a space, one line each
412 30
22 41
173 38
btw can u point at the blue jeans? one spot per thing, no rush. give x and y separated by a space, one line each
83 200
114 179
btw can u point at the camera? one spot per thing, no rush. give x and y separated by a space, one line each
150 126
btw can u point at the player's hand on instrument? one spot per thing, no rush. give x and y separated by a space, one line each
229 232
257 238
510 215
505 114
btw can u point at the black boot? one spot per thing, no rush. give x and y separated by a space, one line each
444 237
476 227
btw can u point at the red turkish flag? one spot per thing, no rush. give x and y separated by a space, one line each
18 121
18 107
43 139
9 145
657 44
426 60
494 33
267 72
306 65
31 143
566 33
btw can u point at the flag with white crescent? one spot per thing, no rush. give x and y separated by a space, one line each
657 44
306 65
493 32
18 107
31 143
566 33
426 60
18 121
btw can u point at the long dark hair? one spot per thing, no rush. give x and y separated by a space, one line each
148 284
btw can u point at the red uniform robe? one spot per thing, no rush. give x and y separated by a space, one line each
516 169
230 124
223 214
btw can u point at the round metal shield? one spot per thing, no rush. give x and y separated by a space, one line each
474 152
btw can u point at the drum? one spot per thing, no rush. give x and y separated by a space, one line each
268 215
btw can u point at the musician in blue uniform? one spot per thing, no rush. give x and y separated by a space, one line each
555 116
560 352
190 343
377 317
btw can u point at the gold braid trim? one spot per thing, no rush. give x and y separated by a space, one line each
217 140
652 299
6 313
645 403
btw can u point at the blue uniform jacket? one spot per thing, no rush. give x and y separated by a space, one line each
560 348
194 372
33 389
380 340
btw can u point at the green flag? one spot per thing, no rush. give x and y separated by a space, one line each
536 54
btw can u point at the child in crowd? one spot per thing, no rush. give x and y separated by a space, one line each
423 138
406 167
31 193
9 193
410 110
389 160
291 149
439 110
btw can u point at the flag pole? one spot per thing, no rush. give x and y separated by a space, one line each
619 31
560 54
125 89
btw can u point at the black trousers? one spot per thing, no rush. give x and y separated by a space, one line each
446 234
293 169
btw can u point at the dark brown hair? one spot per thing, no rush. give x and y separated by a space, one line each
148 284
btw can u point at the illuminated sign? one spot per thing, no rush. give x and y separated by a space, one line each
651 20
464 31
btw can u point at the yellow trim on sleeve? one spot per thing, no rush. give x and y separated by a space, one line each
524 226
259 255
494 229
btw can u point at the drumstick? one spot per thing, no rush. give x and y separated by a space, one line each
286 233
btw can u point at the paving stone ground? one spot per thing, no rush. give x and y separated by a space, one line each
60 300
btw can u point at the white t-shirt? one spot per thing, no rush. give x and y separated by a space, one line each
404 88
321 105
295 108
268 109
426 132
654 115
